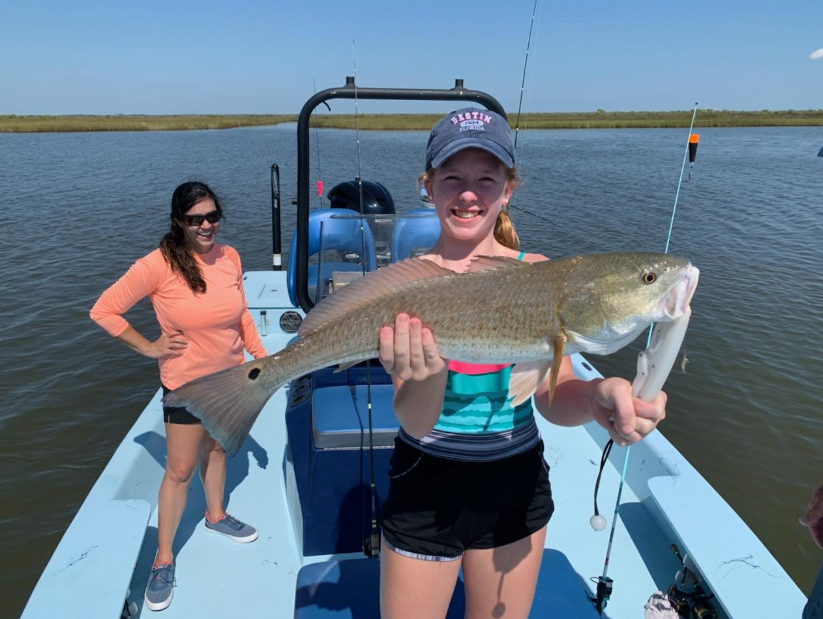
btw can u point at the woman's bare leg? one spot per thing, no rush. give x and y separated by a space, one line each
183 444
213 476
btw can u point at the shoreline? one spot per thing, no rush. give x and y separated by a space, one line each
409 122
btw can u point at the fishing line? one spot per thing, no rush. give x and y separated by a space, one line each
604 584
553 222
371 545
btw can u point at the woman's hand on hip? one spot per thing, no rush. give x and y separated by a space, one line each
408 351
171 344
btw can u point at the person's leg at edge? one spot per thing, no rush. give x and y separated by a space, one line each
183 448
500 582
213 476
413 588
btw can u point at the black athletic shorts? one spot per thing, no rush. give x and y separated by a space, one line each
177 414
438 508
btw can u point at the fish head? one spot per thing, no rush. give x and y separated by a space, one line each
612 298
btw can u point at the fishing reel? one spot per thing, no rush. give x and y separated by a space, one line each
695 604
371 546
605 586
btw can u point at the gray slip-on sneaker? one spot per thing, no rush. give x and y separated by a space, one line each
160 588
232 528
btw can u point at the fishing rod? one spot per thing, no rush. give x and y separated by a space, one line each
605 585
523 80
276 249
317 141
371 544
520 104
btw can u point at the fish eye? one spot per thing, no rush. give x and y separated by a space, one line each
649 277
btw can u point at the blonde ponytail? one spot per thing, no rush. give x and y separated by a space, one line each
504 232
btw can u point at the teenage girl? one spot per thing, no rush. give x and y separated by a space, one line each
469 486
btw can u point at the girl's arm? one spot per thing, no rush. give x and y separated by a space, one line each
606 400
409 355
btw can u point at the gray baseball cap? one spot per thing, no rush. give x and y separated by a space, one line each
470 128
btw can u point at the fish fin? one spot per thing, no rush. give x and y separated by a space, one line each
227 402
526 378
557 359
494 263
345 366
368 289
585 344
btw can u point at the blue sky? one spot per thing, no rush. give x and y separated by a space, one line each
250 56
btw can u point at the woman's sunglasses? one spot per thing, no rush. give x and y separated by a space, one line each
197 220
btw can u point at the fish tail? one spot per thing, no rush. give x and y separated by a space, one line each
228 402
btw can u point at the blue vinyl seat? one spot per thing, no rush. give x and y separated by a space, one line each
339 233
351 589
327 424
415 233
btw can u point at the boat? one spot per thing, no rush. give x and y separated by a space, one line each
313 472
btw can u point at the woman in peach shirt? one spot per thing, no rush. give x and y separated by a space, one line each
196 287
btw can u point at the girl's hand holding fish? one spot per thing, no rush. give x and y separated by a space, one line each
410 356
627 419
408 351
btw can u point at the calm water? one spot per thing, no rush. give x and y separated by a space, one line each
78 209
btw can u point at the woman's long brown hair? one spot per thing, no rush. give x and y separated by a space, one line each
173 245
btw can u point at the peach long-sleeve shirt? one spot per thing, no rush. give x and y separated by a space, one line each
217 323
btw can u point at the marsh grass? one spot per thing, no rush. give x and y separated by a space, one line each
600 119
127 122
591 120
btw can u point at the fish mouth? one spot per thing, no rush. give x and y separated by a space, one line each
675 303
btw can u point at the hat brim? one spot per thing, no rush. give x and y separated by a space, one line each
472 142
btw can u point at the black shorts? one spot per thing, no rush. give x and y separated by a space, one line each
438 508
177 414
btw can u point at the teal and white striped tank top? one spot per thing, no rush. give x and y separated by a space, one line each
477 421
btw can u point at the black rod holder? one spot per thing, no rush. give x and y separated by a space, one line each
276 248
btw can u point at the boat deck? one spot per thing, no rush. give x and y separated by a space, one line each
218 578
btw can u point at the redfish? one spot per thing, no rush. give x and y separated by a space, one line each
500 311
